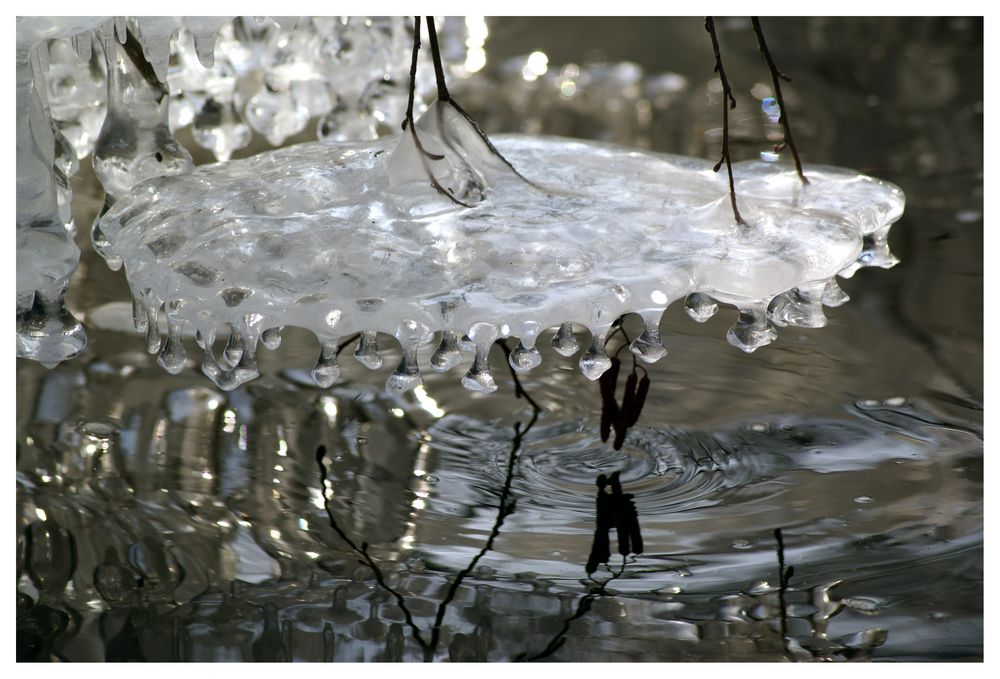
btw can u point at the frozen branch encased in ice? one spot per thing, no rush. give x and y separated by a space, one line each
343 238
46 253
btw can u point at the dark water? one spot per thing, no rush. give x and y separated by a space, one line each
159 518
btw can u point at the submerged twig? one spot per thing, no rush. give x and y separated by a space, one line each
776 78
504 510
363 551
728 102
784 575
582 608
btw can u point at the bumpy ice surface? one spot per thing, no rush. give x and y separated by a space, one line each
344 238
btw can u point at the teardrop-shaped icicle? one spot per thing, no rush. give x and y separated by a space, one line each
172 357
367 353
700 306
564 341
407 374
271 338
802 307
447 355
523 359
595 360
139 318
234 348
121 28
479 377
327 371
751 330
82 43
46 331
648 346
833 295
152 327
204 46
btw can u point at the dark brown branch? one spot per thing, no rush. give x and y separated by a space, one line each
445 98
728 102
776 78
409 123
582 608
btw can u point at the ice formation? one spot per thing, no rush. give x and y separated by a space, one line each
346 237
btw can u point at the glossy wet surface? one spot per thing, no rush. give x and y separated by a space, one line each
161 518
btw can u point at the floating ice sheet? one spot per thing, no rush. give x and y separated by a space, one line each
344 238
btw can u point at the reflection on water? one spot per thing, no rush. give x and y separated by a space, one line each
828 487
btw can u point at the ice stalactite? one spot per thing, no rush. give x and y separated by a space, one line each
135 143
47 256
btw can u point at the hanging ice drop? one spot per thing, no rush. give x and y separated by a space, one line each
648 346
367 353
327 371
564 341
595 360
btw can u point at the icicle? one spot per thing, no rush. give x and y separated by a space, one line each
152 308
802 307
121 29
523 358
46 331
327 371
249 330
83 44
751 330
137 111
271 338
700 306
833 296
204 46
367 353
172 357
407 375
139 318
234 349
479 377
595 361
648 346
447 355
219 127
564 341
874 252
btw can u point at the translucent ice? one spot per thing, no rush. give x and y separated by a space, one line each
344 238
46 253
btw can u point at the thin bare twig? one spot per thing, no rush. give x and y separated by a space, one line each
409 123
504 510
776 78
444 96
728 102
